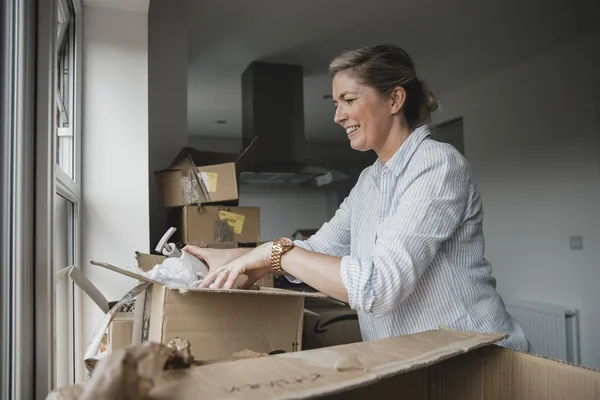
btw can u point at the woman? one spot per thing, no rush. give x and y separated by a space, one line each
405 248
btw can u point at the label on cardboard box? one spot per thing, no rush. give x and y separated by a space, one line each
236 221
210 180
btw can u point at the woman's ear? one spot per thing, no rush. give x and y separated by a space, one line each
398 96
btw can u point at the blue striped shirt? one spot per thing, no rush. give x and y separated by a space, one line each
411 240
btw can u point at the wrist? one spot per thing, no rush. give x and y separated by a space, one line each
278 248
240 251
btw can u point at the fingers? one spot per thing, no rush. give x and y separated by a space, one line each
199 252
221 279
209 279
218 279
231 278
226 278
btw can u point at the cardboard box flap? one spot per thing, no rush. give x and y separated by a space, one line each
147 261
315 373
247 158
130 272
124 271
201 158
89 288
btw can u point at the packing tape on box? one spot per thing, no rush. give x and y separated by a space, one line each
193 187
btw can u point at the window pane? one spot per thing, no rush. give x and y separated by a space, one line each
63 257
64 89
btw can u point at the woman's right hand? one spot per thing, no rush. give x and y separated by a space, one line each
215 258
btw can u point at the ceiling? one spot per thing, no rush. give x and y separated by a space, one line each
452 43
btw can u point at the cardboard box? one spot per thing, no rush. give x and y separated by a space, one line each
266 281
430 365
199 177
209 224
330 326
218 323
120 331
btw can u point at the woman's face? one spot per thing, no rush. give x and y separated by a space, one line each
362 112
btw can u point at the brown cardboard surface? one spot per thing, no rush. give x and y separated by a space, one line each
498 373
218 326
208 223
216 322
147 261
266 281
120 331
434 365
315 373
191 166
225 189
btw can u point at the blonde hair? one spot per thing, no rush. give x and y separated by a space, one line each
385 67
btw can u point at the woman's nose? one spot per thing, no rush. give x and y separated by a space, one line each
339 116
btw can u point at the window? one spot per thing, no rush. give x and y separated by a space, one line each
65 85
63 293
67 199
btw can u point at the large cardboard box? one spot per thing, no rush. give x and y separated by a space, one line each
440 364
199 177
218 323
209 224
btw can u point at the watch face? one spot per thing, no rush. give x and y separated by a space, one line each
286 241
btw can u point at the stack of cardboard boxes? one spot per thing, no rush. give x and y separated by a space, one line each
200 192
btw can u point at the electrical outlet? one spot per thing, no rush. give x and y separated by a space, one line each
576 242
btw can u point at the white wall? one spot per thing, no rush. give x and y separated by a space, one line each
532 137
115 149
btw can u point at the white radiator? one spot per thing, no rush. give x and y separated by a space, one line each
552 330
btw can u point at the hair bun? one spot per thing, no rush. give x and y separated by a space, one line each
429 101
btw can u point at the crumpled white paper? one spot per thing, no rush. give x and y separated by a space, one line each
179 273
175 273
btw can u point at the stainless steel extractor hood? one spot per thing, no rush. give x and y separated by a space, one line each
273 111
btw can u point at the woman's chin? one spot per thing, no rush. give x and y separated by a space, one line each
358 145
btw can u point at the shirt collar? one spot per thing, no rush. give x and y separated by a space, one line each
402 156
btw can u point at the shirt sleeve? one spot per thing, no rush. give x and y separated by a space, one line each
430 210
333 238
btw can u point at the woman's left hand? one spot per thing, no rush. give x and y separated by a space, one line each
254 264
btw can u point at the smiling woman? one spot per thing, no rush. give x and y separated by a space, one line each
405 248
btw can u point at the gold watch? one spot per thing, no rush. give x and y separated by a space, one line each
280 246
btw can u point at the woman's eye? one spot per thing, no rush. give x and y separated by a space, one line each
349 101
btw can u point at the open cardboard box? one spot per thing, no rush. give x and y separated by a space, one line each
199 177
217 323
437 364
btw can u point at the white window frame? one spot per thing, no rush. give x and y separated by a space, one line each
68 181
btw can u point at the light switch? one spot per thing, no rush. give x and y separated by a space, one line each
576 242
